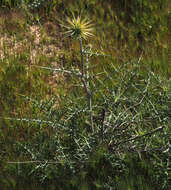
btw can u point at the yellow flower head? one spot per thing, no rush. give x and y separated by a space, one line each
78 27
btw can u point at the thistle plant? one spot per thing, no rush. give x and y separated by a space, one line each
80 29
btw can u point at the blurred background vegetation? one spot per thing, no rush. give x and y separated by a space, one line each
43 113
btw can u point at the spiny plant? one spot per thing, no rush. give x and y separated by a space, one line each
130 116
82 29
128 111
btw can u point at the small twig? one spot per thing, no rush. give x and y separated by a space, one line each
27 120
44 162
75 72
140 136
103 123
140 101
140 58
34 161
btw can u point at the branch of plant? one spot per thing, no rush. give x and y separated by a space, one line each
85 84
75 72
27 120
137 137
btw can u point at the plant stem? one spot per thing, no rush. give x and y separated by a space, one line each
86 84
82 58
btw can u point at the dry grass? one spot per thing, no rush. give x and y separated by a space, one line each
40 45
17 37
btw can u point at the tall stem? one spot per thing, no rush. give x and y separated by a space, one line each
82 58
85 84
87 70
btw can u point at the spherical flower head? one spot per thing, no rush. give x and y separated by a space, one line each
78 27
